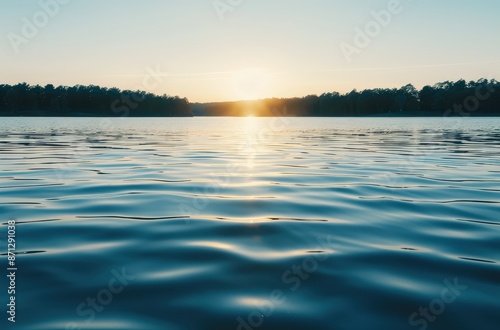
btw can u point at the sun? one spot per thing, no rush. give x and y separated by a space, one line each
250 84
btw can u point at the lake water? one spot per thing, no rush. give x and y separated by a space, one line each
246 223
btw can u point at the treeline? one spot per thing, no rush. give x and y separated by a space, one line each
460 98
26 100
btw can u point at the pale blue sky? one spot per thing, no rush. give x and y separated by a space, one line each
263 48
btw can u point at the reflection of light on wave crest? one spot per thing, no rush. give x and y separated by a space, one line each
251 143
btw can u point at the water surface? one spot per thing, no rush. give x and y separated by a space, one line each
242 223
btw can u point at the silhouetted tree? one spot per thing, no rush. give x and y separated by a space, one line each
435 100
25 100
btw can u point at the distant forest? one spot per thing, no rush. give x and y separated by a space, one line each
461 98
26 100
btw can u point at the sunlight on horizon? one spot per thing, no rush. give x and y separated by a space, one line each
250 84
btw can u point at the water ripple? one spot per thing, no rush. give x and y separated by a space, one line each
369 223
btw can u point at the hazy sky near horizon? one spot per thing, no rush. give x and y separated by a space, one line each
262 48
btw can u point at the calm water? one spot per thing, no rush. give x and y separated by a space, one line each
245 223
